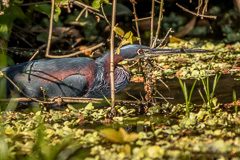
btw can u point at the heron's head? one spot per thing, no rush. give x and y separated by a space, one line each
136 51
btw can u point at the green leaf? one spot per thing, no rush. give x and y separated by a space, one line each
119 31
61 2
6 20
5 30
97 3
46 9
43 8
89 106
121 10
128 35
57 13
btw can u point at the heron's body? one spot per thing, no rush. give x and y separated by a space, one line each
66 77
77 77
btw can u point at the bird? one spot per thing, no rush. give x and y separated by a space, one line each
78 76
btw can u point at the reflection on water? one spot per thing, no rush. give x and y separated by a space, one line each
223 92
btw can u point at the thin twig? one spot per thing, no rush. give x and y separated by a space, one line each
88 8
52 42
132 96
160 95
80 14
164 84
170 30
55 99
141 19
50 29
23 39
136 20
159 24
152 21
78 52
105 17
193 13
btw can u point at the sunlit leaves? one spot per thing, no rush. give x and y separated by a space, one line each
126 38
97 3
119 31
120 136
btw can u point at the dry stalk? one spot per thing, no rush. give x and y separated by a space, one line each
152 21
136 19
196 14
159 24
50 29
113 110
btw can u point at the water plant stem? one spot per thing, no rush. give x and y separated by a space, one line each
186 96
235 102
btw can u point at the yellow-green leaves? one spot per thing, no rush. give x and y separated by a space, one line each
97 3
120 136
119 31
89 106
126 38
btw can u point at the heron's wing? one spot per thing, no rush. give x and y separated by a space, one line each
59 77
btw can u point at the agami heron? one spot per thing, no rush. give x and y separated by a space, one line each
78 77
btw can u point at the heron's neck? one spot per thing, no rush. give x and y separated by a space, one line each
105 61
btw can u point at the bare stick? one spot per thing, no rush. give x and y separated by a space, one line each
141 19
136 20
160 95
105 17
78 52
80 4
152 20
164 84
50 29
80 14
170 30
159 24
132 96
186 10
113 110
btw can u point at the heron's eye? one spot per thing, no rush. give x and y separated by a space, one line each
140 51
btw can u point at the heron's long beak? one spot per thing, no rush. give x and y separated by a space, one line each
156 52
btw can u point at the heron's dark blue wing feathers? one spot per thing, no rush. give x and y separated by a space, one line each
59 77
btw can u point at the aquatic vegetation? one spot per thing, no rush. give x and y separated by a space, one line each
186 96
74 133
210 99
